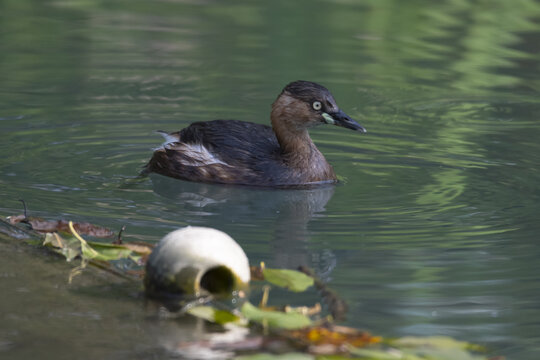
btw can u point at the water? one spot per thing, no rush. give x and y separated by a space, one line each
433 229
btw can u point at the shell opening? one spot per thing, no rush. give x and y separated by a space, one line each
218 280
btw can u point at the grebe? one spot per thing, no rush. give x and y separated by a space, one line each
239 152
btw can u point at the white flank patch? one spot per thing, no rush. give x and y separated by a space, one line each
193 154
169 139
197 155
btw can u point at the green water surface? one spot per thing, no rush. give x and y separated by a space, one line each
433 230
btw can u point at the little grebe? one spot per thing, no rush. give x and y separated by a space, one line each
238 152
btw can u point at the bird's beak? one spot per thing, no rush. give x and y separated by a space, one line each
339 118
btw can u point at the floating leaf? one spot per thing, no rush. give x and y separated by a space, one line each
287 356
288 279
69 248
275 319
380 354
74 246
447 354
108 252
419 348
138 248
214 315
439 342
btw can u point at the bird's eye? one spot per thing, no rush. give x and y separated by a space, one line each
317 105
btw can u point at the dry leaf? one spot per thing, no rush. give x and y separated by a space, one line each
49 226
334 335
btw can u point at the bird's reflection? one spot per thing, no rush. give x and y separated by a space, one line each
282 215
250 215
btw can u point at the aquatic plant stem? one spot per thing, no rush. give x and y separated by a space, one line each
337 306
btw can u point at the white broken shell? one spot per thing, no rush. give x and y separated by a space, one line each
196 260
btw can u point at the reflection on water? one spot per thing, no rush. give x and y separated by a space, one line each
432 231
195 338
286 212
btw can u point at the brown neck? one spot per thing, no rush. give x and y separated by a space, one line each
291 133
298 149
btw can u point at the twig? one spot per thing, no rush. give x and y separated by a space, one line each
26 221
118 240
264 299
